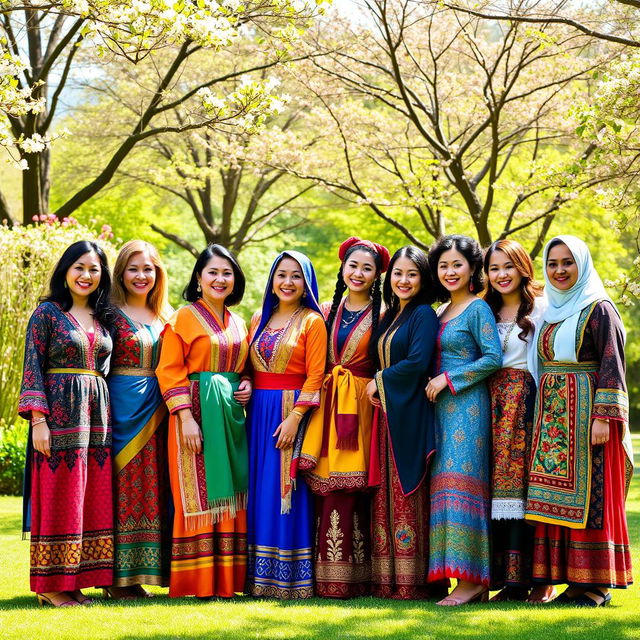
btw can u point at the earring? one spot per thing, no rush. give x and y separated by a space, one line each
66 286
304 295
470 287
199 288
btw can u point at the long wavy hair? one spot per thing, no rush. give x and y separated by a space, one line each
425 295
341 287
530 288
99 300
157 298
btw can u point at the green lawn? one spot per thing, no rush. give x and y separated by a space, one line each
20 618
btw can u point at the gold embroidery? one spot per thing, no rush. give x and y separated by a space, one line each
334 538
358 542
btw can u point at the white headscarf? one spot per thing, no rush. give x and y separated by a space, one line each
565 306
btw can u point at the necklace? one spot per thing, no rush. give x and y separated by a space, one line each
505 340
349 317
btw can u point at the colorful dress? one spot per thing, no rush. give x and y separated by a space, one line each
512 390
402 442
68 496
468 351
335 457
576 490
288 366
199 369
142 527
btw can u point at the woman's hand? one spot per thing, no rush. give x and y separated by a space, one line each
599 431
435 386
372 393
243 394
190 434
41 438
287 430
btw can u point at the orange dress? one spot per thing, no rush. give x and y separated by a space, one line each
209 552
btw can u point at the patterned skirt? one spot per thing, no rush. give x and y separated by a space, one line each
400 526
280 545
208 560
343 547
512 393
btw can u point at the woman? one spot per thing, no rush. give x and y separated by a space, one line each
288 352
468 351
581 460
335 453
403 438
68 494
204 351
515 299
142 528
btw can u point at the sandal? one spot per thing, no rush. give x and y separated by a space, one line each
549 596
46 600
585 601
81 599
511 594
452 601
110 594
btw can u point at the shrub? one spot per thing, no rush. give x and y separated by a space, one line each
13 440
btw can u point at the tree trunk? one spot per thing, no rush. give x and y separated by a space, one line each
32 204
5 211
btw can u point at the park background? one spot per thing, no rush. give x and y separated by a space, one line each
273 124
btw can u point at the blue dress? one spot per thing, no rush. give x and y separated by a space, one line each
468 351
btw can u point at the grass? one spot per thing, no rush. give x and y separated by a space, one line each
245 618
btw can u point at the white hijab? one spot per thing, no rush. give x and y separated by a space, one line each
565 306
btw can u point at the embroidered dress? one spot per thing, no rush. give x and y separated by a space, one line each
288 369
468 351
335 458
68 496
142 527
200 367
402 442
576 490
512 391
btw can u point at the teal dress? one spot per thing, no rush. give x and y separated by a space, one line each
468 350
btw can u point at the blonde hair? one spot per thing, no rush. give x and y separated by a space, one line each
158 299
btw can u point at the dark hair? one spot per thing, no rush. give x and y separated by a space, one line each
472 252
191 293
554 243
529 287
98 299
391 301
341 287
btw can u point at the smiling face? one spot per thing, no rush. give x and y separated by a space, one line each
288 282
405 279
359 271
454 271
504 277
561 267
139 275
83 276
216 280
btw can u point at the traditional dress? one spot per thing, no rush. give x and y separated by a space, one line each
402 442
512 390
142 526
288 366
577 490
68 496
200 367
468 351
335 457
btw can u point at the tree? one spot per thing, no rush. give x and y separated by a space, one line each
469 105
54 32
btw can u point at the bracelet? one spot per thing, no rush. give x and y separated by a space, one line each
36 421
298 413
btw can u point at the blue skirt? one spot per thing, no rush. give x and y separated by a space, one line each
280 545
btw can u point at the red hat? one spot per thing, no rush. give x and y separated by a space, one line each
381 250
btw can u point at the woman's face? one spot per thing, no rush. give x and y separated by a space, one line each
359 271
561 267
83 276
139 275
288 281
454 271
405 279
503 275
216 280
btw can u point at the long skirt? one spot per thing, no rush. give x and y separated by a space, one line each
208 560
400 526
343 544
591 557
513 393
280 545
71 520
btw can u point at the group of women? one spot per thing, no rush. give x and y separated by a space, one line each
368 445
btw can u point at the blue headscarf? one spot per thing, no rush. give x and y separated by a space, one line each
270 300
